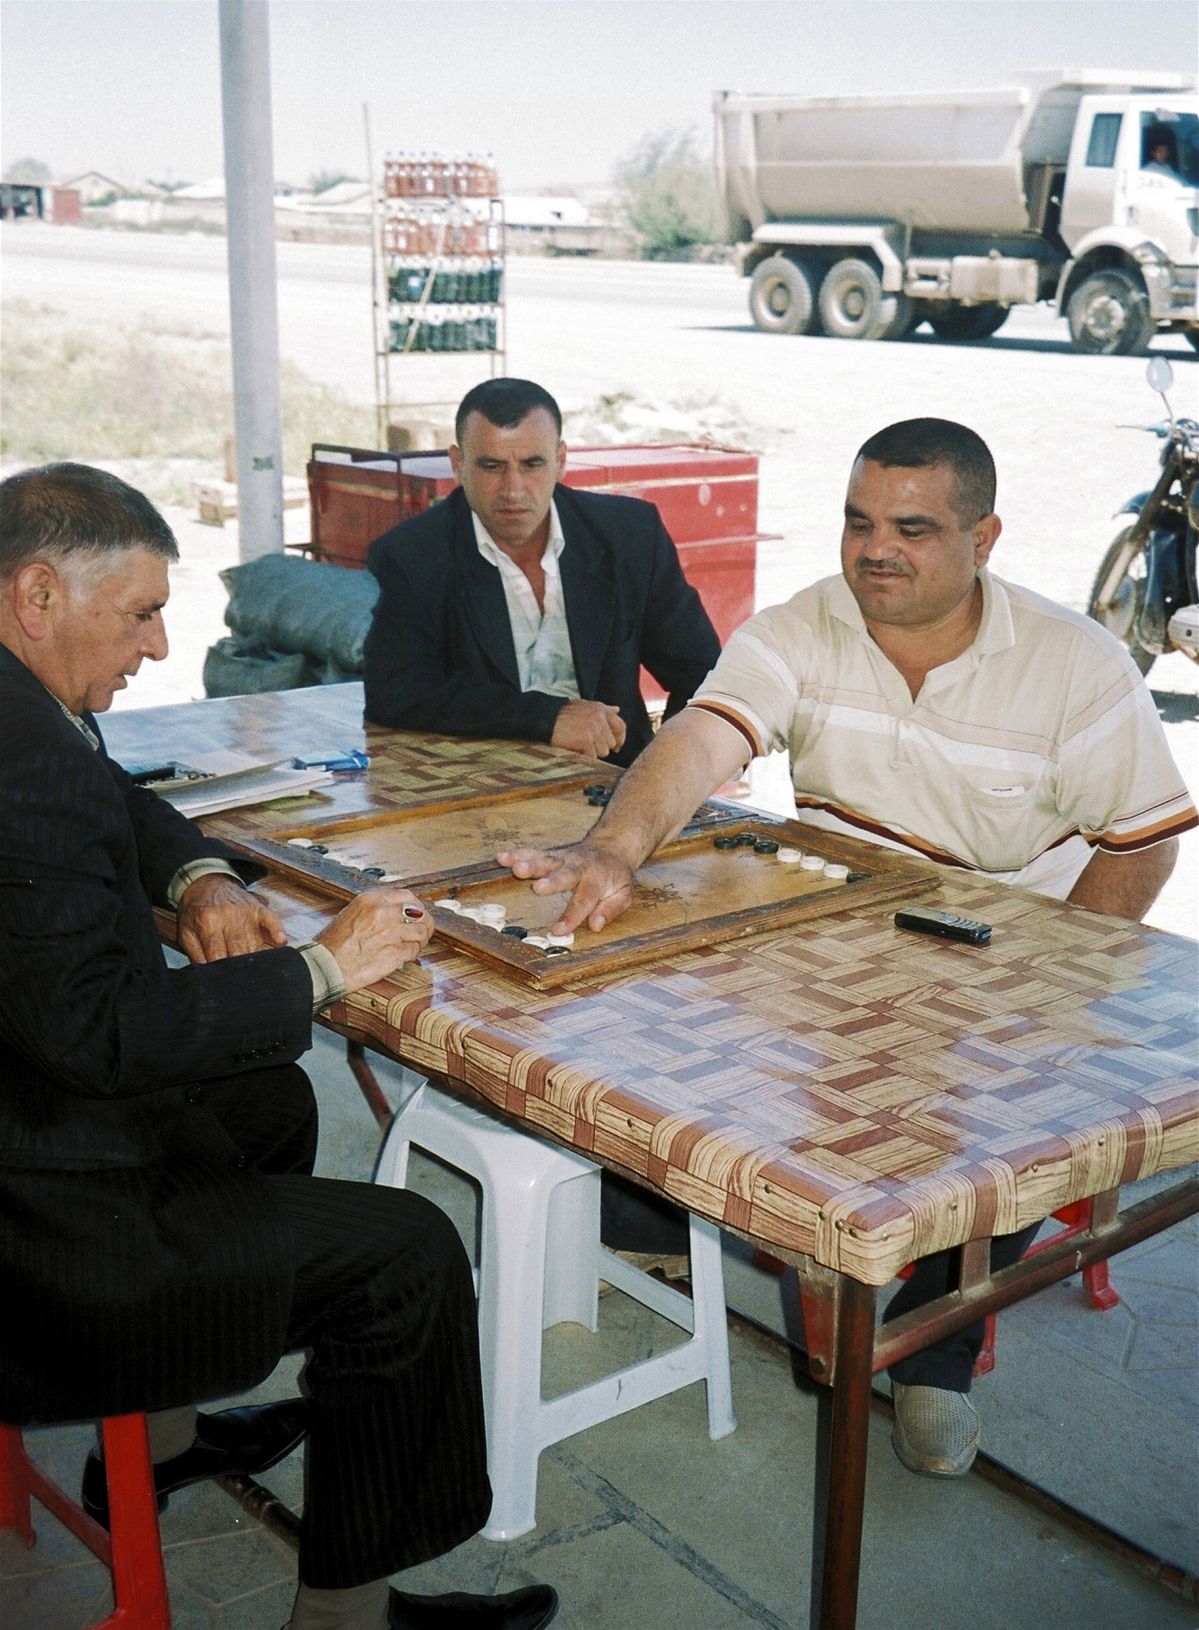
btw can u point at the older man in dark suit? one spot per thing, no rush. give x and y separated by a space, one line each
522 608
158 1227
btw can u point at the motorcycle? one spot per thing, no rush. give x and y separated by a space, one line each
1145 591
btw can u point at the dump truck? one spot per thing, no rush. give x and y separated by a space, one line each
863 216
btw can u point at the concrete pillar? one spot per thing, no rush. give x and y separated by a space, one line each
250 209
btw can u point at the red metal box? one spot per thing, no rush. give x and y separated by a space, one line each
701 492
355 495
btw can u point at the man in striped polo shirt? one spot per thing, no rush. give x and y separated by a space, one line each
930 707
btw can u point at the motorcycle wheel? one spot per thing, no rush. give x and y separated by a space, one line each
1119 587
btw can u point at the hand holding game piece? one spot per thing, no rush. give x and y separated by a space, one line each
599 883
376 933
219 918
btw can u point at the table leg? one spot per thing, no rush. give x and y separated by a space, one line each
842 1424
368 1082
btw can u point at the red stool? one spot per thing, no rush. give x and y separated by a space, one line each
132 1552
1077 1218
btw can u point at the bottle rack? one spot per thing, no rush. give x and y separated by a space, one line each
439 283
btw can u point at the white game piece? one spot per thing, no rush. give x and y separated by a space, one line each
301 843
391 877
812 863
790 857
473 912
539 940
450 905
491 913
560 939
834 869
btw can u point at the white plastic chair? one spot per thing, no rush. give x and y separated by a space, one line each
540 1263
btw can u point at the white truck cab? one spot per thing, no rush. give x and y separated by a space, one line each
1130 219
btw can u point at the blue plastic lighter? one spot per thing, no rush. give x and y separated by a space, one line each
346 758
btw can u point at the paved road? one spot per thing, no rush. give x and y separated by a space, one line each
645 352
638 351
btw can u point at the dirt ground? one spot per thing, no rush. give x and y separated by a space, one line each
653 353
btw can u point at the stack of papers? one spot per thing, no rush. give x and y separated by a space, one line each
230 780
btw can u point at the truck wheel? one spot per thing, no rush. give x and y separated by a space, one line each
1192 338
958 322
853 305
782 296
1109 316
907 315
1119 587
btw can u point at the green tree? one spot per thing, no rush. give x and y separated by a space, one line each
30 170
668 195
324 179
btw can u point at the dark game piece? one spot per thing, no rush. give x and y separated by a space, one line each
857 877
514 931
372 871
318 849
745 840
557 950
726 841
594 790
766 846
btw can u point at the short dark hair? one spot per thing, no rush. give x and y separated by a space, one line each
914 443
504 403
59 510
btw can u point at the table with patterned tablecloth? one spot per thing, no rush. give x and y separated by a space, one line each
843 1093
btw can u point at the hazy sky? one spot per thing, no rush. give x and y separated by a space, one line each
558 90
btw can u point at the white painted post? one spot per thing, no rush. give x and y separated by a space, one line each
250 212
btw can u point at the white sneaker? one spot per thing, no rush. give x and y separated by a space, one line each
935 1432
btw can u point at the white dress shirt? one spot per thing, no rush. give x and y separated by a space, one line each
544 661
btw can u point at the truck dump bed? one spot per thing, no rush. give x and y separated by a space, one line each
955 162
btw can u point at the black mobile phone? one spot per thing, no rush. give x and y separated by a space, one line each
923 920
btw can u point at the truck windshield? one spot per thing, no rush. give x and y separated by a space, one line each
1170 141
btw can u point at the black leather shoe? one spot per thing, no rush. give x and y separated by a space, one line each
526 1609
247 1440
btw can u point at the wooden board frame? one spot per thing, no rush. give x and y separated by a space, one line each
876 875
344 882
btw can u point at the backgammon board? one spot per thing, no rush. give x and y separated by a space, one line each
730 872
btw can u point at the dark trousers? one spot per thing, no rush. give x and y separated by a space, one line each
383 1303
950 1363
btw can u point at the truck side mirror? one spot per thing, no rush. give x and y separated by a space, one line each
1160 375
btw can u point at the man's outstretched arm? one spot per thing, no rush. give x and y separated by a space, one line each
692 755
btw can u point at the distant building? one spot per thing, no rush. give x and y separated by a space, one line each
351 196
95 188
201 192
557 225
39 201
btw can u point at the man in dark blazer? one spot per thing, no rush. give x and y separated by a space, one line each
160 1237
519 607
